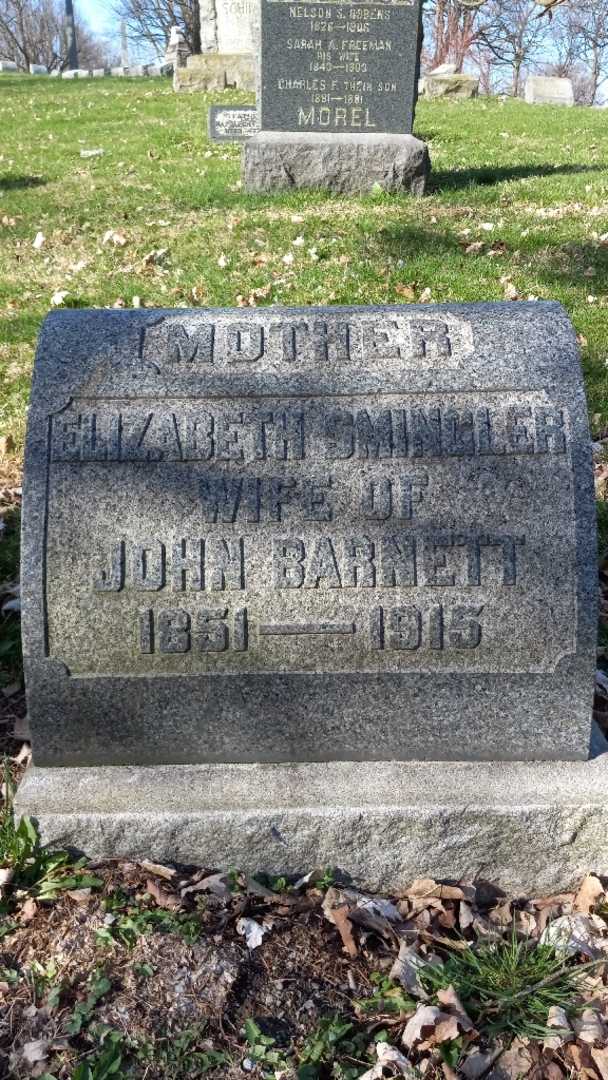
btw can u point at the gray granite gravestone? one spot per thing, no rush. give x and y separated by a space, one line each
232 123
337 87
327 535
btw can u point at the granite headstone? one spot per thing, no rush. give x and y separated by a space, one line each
234 19
337 86
453 86
232 123
308 534
339 67
549 90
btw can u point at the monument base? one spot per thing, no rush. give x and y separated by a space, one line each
529 827
215 71
453 86
346 163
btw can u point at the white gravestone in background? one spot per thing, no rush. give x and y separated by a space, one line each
547 90
234 26
226 26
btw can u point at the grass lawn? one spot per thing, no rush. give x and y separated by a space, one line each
138 970
524 188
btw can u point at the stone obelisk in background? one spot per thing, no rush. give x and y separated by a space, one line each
70 30
124 45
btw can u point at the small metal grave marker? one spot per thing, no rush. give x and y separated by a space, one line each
232 123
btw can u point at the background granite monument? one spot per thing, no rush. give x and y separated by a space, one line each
226 57
337 88
286 559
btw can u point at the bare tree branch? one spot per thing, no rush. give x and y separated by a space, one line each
33 32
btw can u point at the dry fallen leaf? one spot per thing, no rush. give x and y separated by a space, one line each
79 896
406 970
588 895
390 1058
59 298
153 258
450 998
600 1059
28 911
6 876
421 1027
514 1063
590 1028
577 934
477 1064
163 898
111 236
252 931
157 869
408 292
24 756
36 1050
216 884
341 921
558 1019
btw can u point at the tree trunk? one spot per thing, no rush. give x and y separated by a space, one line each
196 27
516 76
439 32
595 74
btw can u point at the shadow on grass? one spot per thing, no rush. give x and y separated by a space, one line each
17 183
446 180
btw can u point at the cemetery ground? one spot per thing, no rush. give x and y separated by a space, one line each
110 195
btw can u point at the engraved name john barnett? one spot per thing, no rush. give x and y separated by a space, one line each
403 561
189 342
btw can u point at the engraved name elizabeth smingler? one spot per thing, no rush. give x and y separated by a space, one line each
316 499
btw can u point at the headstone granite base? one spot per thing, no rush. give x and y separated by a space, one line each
215 71
345 163
526 826
453 86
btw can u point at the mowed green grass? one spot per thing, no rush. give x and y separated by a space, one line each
530 183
